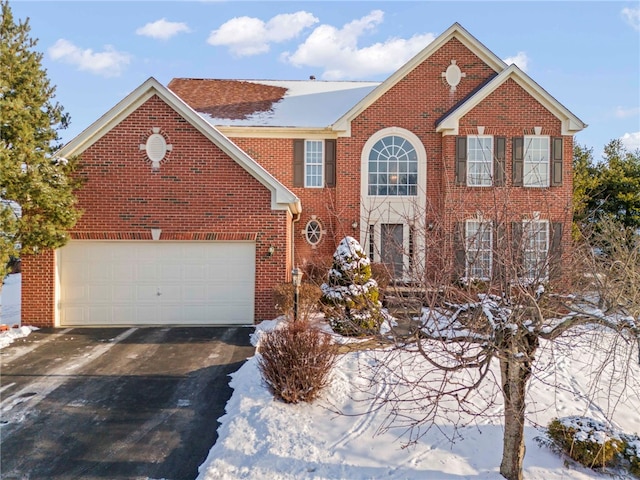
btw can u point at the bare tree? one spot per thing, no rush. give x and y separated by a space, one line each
492 290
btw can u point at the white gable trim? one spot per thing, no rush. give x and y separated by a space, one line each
281 197
570 123
343 124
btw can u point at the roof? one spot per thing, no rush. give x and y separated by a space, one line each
334 105
270 103
281 197
571 124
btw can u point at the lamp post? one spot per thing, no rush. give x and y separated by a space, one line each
296 277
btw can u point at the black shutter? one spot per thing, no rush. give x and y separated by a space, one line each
499 254
556 161
517 249
499 162
298 163
330 163
555 254
518 161
459 247
461 160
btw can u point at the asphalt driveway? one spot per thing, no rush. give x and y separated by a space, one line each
115 403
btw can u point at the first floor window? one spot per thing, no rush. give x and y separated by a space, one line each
479 161
536 161
313 164
535 246
478 252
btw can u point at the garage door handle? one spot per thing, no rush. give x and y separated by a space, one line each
158 293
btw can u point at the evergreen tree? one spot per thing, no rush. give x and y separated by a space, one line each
585 187
37 205
350 294
606 190
619 195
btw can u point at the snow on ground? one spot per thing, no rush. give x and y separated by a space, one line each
260 438
10 310
10 300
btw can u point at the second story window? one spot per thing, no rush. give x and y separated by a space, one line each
313 163
393 167
480 161
536 161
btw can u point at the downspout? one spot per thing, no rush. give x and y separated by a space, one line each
296 219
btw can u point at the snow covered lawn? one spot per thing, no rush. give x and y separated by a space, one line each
260 438
10 311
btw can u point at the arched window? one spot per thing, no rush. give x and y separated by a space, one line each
393 167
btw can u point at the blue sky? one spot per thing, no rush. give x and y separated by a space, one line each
586 54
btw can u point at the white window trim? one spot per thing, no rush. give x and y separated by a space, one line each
489 225
321 232
541 275
527 140
306 164
491 157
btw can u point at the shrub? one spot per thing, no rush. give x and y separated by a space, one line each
631 453
350 294
585 440
315 270
296 361
308 300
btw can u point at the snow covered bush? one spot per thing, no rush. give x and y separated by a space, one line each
296 361
586 440
350 293
631 453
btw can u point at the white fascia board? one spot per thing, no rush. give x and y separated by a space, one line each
570 123
276 132
343 124
106 122
281 197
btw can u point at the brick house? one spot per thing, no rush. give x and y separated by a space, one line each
201 196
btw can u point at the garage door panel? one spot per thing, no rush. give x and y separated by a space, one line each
124 283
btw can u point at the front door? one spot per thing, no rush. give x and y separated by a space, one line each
392 251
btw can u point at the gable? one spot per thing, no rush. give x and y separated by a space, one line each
449 124
281 197
456 33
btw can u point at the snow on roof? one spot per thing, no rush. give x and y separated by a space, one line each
271 103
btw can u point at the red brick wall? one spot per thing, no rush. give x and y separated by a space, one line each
276 156
38 289
198 190
416 103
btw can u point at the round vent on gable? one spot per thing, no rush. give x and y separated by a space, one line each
453 75
156 147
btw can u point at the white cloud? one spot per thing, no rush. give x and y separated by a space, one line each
622 112
108 63
632 17
336 50
631 141
250 36
521 60
162 30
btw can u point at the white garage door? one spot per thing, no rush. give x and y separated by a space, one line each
156 283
